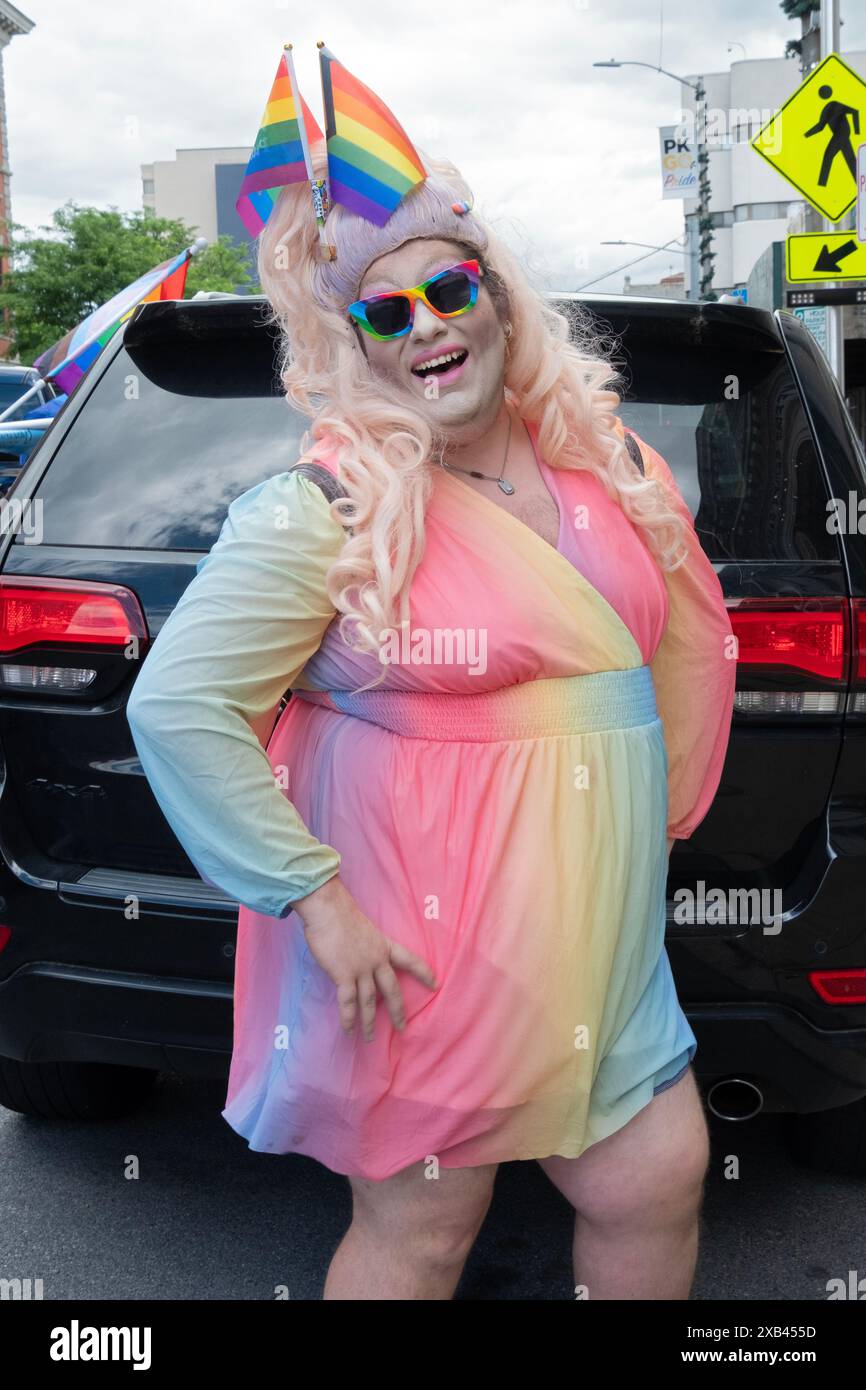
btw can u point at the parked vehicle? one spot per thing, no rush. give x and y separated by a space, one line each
21 431
15 379
116 958
17 442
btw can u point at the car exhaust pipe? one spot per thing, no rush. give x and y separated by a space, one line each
735 1098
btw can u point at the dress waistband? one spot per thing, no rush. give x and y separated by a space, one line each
532 709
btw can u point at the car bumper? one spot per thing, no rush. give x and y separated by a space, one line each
797 1067
51 1012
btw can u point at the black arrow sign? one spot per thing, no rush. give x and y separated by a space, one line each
829 260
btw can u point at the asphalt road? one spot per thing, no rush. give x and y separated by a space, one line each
209 1219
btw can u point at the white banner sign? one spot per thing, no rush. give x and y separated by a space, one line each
679 163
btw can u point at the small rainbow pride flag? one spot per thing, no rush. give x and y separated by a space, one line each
372 163
68 360
281 152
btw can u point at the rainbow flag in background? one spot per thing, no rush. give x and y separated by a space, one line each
278 154
372 163
68 360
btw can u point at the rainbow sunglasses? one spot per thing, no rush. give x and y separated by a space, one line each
448 293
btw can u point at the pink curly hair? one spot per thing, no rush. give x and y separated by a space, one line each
556 375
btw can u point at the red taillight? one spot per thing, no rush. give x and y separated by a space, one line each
5 937
808 635
839 986
47 612
87 618
859 607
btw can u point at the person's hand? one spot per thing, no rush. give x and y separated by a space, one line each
357 956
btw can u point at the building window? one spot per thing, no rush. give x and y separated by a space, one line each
759 212
718 219
148 185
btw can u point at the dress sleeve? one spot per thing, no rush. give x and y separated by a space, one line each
245 626
694 671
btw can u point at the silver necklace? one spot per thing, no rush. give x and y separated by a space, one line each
505 487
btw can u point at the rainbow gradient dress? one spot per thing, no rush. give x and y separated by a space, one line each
500 804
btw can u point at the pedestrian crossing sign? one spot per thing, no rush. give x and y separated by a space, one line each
812 140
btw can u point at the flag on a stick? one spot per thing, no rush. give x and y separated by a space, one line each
372 163
67 361
281 153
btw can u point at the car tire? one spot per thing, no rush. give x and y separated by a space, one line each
73 1090
832 1141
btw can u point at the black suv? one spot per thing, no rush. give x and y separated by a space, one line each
116 958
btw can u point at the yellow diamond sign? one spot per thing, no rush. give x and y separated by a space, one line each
812 140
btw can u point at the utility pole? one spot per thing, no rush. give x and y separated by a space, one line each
705 221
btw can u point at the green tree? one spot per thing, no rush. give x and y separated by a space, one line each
87 255
802 10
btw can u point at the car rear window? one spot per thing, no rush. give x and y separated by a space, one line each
179 425
190 413
721 405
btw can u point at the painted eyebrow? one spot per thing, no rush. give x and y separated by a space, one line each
381 285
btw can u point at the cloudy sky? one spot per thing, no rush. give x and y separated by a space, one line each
560 155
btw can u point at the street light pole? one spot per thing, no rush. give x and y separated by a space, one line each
705 221
680 250
627 264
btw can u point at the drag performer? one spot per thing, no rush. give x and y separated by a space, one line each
512 676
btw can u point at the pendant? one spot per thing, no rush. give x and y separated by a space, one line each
506 487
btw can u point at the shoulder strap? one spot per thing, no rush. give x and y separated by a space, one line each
634 449
323 477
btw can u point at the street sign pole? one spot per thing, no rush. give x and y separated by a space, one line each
835 332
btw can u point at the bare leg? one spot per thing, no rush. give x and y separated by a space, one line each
410 1234
637 1197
